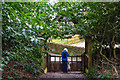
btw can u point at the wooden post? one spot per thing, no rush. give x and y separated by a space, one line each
85 57
83 62
47 62
88 62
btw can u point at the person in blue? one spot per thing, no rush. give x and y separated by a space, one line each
65 55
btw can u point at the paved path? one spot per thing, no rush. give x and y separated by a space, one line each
63 75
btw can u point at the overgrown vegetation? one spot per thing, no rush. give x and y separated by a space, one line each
25 32
98 23
28 26
104 70
58 48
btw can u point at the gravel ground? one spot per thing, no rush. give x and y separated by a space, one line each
63 75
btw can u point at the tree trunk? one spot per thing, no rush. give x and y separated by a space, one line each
87 50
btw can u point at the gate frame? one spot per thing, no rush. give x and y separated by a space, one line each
83 61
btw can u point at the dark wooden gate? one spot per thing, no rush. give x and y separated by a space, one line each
76 63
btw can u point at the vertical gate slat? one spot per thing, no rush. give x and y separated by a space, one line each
54 63
77 62
49 63
83 63
59 64
71 63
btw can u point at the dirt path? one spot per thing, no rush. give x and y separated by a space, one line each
80 44
63 75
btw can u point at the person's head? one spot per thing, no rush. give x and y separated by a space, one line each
66 49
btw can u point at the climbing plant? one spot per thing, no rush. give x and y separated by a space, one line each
26 26
98 23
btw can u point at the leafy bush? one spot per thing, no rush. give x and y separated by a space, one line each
101 70
58 48
20 39
92 72
32 68
26 27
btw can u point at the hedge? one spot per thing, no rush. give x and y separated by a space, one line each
58 48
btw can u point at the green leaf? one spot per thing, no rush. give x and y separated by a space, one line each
1 69
99 76
8 59
2 65
6 62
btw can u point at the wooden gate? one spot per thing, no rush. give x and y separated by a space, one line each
76 63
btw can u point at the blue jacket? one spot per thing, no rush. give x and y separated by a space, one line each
66 53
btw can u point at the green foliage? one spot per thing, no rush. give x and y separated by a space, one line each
92 72
99 70
58 48
26 28
31 68
71 54
96 22
90 20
